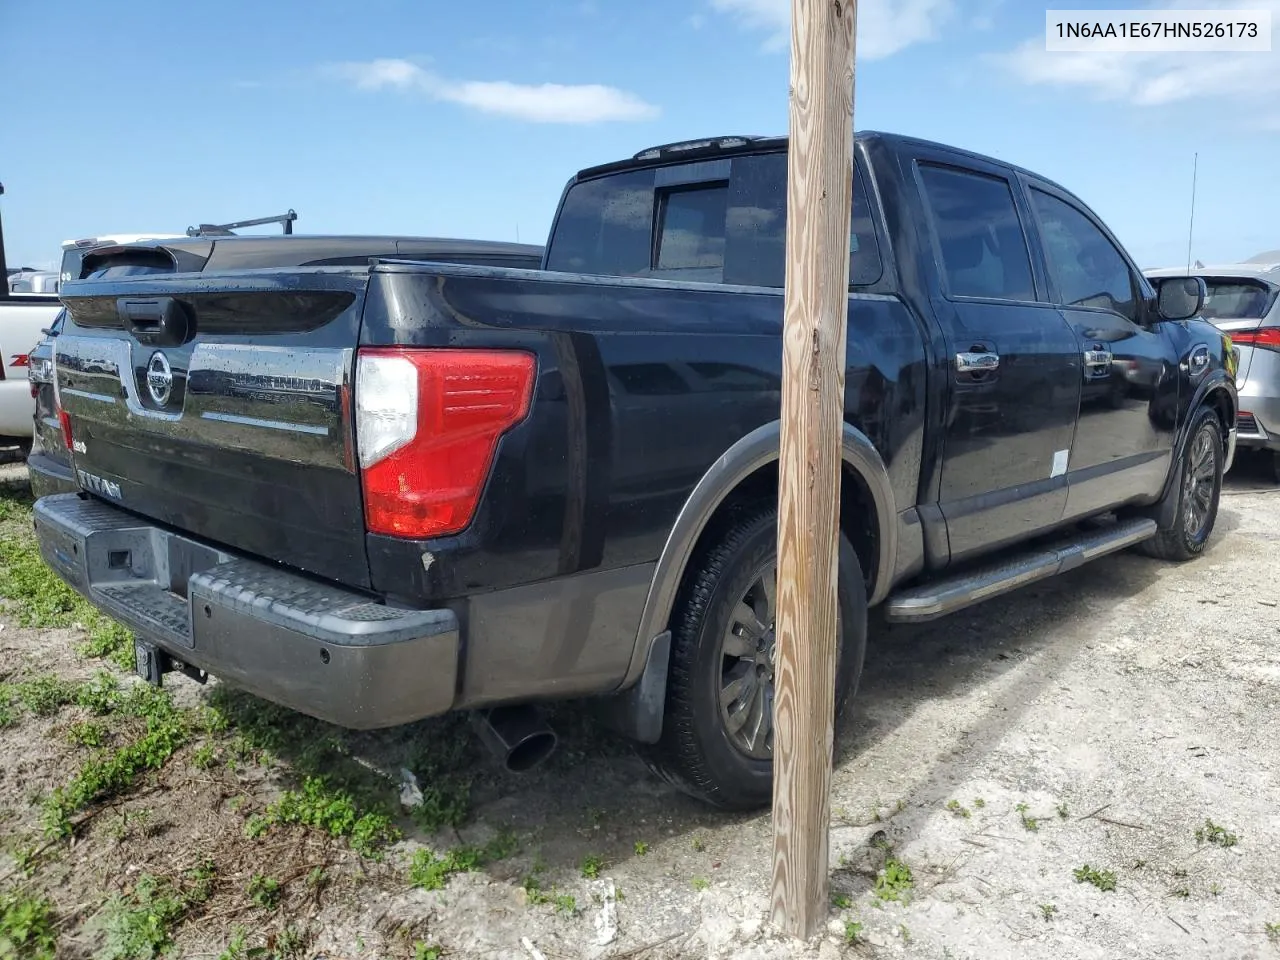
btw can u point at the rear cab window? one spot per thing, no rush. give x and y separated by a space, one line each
721 221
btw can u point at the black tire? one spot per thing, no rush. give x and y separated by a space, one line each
1185 537
696 752
1275 465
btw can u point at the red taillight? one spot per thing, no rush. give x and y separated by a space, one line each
19 360
1266 337
65 421
427 425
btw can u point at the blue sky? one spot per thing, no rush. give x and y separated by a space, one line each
455 119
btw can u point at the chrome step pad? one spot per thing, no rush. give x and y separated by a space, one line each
937 598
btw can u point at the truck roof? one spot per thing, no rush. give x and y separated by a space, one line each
743 144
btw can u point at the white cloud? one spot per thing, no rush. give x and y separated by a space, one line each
1151 79
884 26
537 103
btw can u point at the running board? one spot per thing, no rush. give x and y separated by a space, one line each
940 597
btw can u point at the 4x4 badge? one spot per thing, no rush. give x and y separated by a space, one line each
159 378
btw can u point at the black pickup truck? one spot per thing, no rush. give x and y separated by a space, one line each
376 493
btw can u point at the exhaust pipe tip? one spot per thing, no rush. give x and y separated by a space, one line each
517 736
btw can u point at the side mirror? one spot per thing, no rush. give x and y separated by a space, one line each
1179 298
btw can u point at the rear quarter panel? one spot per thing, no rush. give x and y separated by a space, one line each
642 385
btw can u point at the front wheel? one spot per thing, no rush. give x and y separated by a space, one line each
1199 490
717 732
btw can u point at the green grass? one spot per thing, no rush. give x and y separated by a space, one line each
423 952
641 848
28 927
109 773
46 694
841 901
852 932
1048 910
958 809
431 871
88 733
591 866
7 715
264 891
1215 834
894 882
1104 880
1273 932
1028 822
321 805
39 598
141 925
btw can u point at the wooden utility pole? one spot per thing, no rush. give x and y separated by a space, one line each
819 196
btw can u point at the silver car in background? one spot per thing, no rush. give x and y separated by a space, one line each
1244 302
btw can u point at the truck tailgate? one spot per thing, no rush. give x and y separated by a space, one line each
220 405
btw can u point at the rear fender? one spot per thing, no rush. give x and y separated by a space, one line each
636 709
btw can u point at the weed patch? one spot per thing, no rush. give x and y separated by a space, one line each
1104 880
958 809
1215 834
88 733
321 805
1028 822
431 871
111 772
27 927
894 882
852 932
264 891
45 695
141 925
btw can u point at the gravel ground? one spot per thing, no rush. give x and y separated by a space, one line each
1120 718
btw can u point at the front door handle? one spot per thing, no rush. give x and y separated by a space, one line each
977 362
1097 362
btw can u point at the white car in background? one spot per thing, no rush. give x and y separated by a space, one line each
1244 302
26 314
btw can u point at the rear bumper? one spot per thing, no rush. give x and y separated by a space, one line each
311 646
48 476
1259 422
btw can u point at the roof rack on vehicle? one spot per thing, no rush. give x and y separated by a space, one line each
706 143
225 229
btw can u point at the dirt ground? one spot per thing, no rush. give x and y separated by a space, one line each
1115 727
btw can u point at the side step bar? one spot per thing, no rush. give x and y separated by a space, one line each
940 597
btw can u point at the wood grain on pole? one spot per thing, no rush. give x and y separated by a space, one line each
819 194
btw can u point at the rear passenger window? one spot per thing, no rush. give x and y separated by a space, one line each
757 231
984 251
691 228
1085 266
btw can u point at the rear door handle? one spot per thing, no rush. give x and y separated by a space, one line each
977 362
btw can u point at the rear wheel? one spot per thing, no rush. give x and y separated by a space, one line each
717 735
1275 465
1199 489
